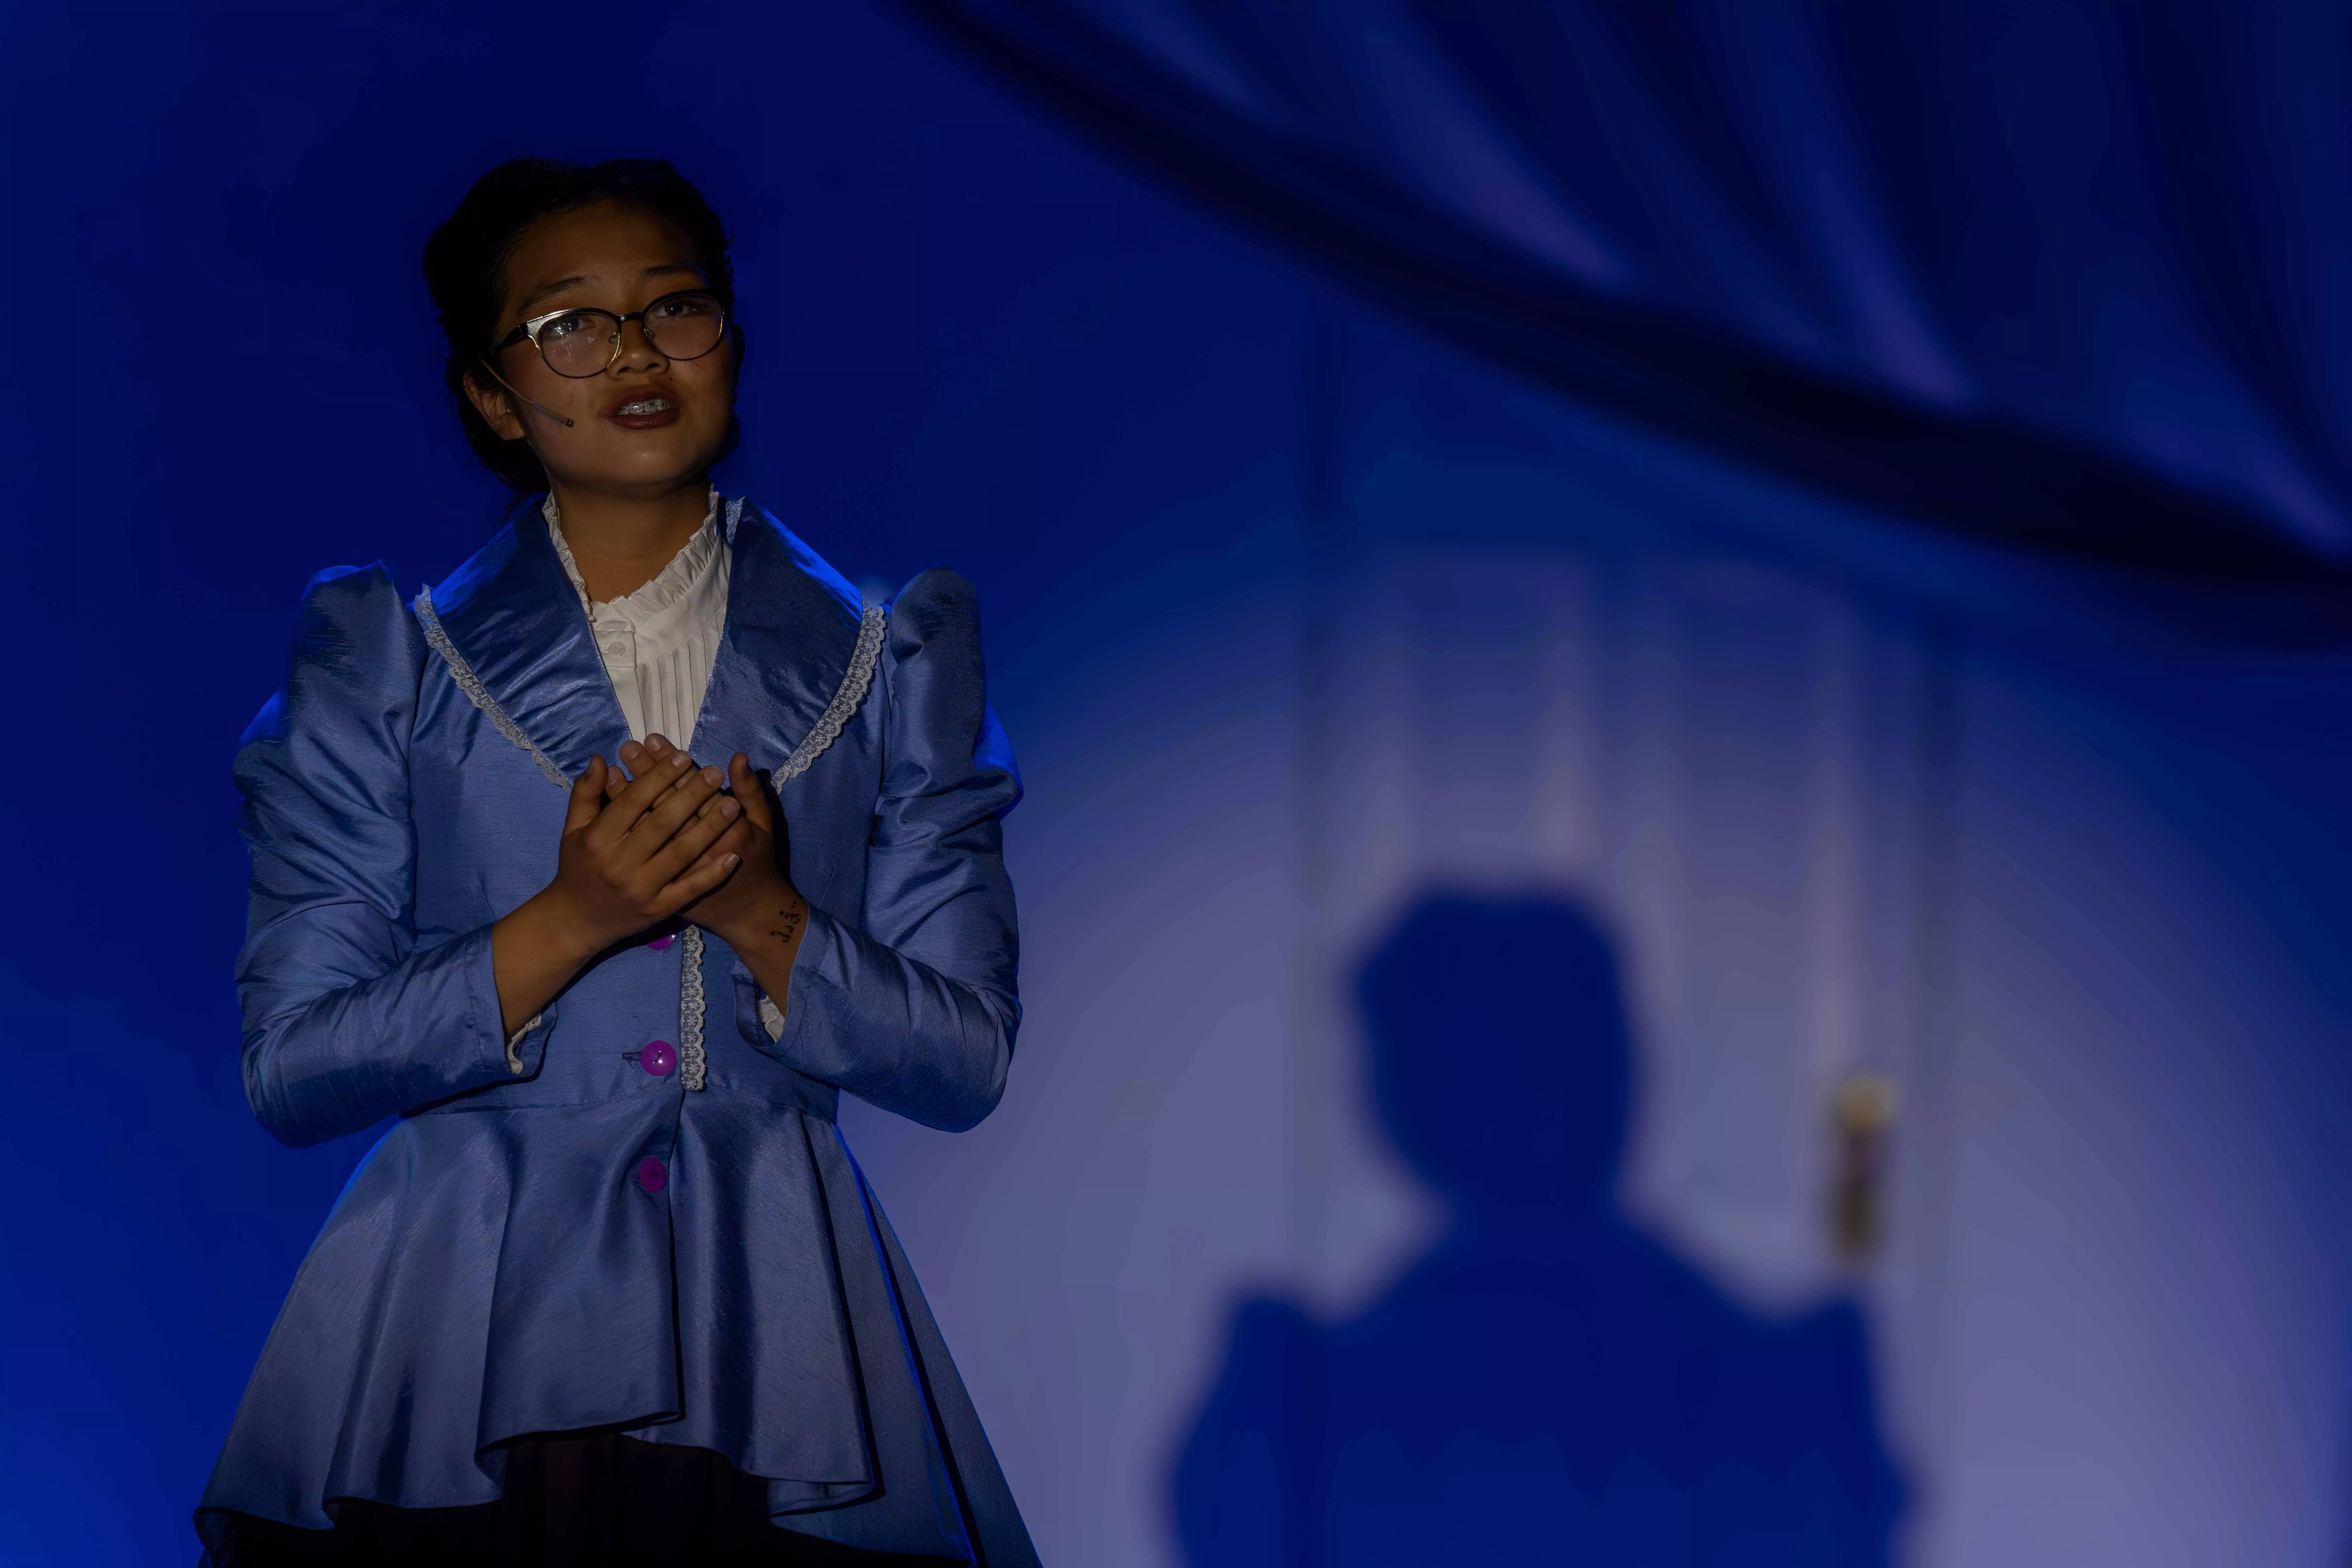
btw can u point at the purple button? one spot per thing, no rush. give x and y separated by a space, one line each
659 1058
661 944
652 1174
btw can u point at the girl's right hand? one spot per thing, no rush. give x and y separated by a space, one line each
635 860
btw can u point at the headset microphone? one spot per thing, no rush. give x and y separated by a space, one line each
542 407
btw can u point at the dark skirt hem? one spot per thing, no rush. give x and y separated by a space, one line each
602 1501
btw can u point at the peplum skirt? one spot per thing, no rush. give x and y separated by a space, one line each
706 1273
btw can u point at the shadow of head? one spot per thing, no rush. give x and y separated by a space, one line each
1499 1059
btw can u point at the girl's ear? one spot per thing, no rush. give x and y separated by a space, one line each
497 409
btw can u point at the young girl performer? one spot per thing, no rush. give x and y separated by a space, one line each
606 866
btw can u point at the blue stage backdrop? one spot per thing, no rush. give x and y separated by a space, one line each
1480 833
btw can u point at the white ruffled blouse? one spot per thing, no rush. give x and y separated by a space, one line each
660 641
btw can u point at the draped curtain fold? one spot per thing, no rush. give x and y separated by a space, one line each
2058 274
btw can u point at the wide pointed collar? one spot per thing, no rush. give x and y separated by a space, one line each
511 613
791 631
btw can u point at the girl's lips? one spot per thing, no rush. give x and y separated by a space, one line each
643 411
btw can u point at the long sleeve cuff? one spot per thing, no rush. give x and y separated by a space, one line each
515 1040
888 1028
425 1029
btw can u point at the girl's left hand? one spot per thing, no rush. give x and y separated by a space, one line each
756 908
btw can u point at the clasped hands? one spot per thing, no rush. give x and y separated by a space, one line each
643 846
639 850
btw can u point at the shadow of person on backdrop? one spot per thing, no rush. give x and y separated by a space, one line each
1550 1385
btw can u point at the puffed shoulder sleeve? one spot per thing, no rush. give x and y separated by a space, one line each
915 1012
346 1021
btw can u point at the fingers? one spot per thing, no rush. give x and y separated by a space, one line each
748 790
703 878
587 795
686 845
666 804
684 801
656 776
637 756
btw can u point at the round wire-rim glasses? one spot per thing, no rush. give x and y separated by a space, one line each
693 320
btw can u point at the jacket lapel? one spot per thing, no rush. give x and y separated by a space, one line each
791 626
515 617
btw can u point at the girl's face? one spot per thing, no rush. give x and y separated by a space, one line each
646 424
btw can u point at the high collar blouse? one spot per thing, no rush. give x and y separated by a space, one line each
659 642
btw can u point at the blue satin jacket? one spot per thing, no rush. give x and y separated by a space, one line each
554 1236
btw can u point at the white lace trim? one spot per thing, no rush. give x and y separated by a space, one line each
693 1007
514 1043
690 1010
651 601
854 681
471 685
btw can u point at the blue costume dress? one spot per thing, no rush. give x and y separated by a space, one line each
570 1232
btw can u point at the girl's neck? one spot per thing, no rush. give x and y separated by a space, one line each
622 543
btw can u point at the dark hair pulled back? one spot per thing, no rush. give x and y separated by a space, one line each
465 258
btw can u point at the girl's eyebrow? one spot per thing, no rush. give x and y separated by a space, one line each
656 270
544 290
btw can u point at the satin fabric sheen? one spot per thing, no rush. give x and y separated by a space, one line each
493 1269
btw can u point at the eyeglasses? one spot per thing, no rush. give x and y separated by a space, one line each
584 343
